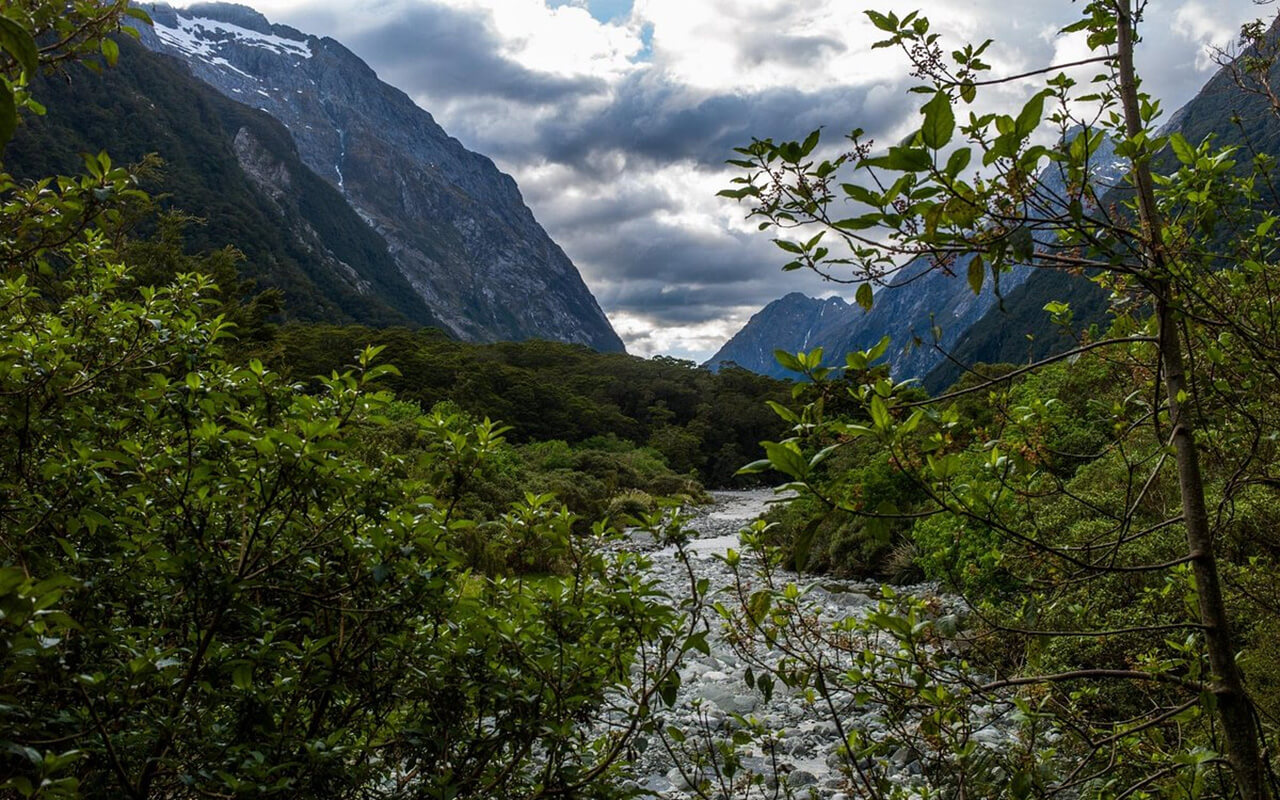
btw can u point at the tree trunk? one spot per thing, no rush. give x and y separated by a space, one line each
1235 709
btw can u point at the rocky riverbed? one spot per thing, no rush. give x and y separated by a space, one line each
714 689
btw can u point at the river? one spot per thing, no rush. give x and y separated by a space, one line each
713 686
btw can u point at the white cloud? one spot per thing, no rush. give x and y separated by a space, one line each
695 342
565 40
1204 26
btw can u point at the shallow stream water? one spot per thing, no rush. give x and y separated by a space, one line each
805 736
713 686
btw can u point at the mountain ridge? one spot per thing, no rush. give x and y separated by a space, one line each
305 242
456 226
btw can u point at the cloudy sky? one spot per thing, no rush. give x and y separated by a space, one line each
616 116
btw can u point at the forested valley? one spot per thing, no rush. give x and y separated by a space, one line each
247 553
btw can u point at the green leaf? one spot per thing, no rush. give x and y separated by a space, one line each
17 41
861 193
977 271
879 350
1021 785
782 411
939 121
810 142
1029 118
803 543
670 691
850 430
788 361
879 413
110 51
1182 148
755 467
958 161
882 22
859 223
786 458
138 14
822 455
864 296
698 641
8 114
905 159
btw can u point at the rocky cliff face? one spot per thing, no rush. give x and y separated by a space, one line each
455 225
792 323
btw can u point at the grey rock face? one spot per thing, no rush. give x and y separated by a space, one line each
791 323
456 226
272 177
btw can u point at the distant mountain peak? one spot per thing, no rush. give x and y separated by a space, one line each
793 322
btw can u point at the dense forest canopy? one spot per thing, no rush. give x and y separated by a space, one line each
704 423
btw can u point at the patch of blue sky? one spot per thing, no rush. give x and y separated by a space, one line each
609 10
646 39
603 10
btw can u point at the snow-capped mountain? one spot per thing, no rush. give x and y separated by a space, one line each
456 227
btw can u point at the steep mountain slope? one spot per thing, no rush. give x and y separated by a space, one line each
792 323
1018 331
457 228
234 167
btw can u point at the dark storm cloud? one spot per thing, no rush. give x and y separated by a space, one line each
621 205
450 57
677 276
652 120
684 305
444 53
649 249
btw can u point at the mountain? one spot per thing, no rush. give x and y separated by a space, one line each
302 239
923 300
927 310
790 323
455 227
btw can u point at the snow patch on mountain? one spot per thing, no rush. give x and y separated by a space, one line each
205 38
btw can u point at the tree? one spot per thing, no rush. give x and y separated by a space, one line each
1188 258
